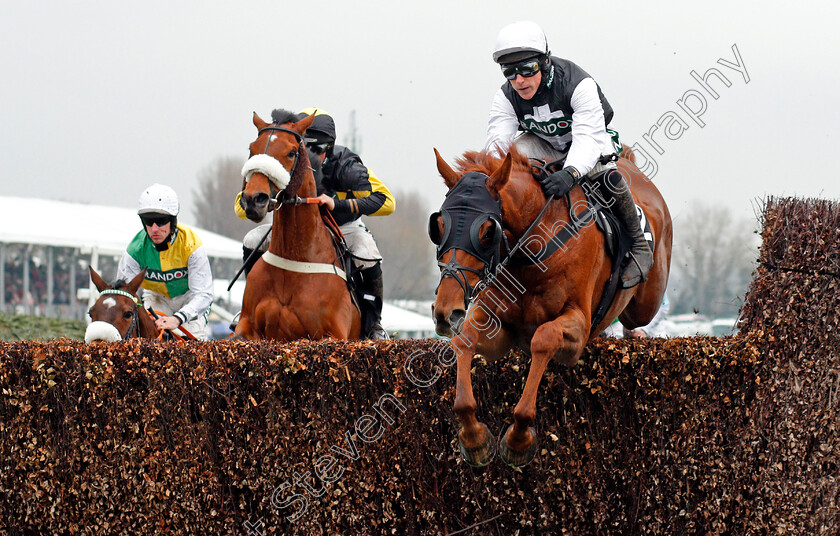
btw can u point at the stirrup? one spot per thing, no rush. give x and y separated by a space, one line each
378 333
235 321
633 267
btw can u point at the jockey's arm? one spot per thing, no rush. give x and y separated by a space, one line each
501 126
361 194
588 128
200 294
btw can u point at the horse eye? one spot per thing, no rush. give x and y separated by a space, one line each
128 314
292 153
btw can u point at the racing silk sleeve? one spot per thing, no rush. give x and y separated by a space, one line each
588 128
502 125
200 295
358 192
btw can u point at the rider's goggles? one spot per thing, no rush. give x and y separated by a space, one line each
317 148
527 68
152 219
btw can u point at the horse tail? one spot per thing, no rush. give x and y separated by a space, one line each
627 152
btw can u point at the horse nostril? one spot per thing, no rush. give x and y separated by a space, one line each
261 199
456 319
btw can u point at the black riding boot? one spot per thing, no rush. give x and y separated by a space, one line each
246 252
372 303
640 256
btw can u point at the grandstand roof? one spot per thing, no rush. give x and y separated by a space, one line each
25 220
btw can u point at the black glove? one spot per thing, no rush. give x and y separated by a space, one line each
560 182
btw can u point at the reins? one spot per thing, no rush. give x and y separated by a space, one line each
490 276
505 254
185 331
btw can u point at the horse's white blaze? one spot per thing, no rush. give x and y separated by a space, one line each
272 138
110 302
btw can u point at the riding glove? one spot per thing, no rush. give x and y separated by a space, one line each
560 182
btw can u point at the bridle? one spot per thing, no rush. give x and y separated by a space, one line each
275 200
134 327
467 207
472 205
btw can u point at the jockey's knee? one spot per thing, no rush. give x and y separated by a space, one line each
608 184
255 236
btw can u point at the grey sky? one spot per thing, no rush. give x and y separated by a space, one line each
100 99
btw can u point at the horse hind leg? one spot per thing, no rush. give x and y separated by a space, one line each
566 335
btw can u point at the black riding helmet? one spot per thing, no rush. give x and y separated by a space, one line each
320 136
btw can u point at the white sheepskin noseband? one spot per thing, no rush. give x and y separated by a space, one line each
101 331
268 166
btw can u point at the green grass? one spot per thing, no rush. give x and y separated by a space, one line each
22 327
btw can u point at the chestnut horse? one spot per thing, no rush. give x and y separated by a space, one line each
544 304
118 313
298 287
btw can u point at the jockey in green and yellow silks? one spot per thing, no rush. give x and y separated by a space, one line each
178 279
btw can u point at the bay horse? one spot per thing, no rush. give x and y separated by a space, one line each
118 313
298 287
541 301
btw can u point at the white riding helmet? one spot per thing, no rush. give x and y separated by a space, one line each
518 38
159 198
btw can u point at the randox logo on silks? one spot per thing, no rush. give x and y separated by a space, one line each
167 276
555 126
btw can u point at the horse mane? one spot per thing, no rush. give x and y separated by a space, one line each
281 116
118 284
487 163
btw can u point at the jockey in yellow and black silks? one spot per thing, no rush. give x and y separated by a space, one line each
350 190
178 280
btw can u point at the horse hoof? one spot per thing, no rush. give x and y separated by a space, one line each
481 455
518 457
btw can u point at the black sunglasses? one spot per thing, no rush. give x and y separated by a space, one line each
152 219
527 68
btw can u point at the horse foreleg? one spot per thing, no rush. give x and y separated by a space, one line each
563 337
478 445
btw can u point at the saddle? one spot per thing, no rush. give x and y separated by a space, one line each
355 285
617 240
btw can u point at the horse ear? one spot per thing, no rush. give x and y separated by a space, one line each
135 283
450 178
98 282
499 178
259 123
301 126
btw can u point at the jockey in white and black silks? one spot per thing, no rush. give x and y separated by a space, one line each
350 190
178 279
559 103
